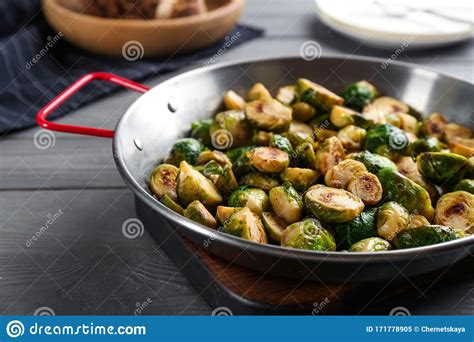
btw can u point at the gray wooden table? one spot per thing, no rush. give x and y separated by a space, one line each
62 208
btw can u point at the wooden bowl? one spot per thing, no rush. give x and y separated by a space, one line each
144 38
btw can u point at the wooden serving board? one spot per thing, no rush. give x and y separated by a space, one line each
246 292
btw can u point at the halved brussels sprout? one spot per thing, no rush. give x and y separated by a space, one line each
373 162
232 100
456 210
358 94
297 138
187 149
303 111
329 154
230 129
223 213
465 185
407 167
453 132
386 140
259 180
274 225
442 168
426 144
332 205
263 138
374 244
342 117
193 185
247 225
305 156
258 92
352 137
316 95
200 131
400 189
382 108
235 153
434 125
222 177
170 203
282 143
286 95
219 157
268 114
463 147
391 219
300 178
418 221
308 234
367 187
163 181
359 228
300 127
423 236
339 175
254 199
286 202
408 122
322 134
197 212
269 159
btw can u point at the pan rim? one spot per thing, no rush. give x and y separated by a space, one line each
274 250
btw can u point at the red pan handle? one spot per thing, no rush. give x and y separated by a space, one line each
74 88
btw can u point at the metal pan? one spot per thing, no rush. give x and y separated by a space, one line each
164 113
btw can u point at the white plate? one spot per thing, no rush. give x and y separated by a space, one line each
407 23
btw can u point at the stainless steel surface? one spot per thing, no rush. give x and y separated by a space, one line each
198 94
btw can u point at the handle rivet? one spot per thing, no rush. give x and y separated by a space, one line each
138 144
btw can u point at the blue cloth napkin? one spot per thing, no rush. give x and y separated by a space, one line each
36 64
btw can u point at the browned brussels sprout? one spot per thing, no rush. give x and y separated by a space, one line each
305 155
456 210
254 199
453 132
434 125
187 149
383 109
442 168
233 101
197 212
359 94
230 129
222 177
332 205
269 159
418 221
282 143
373 162
163 181
367 187
263 138
300 127
172 204
373 244
329 154
303 111
408 123
316 95
391 219
300 178
339 175
287 95
463 147
269 115
223 213
259 180
423 236
206 156
286 202
258 92
274 225
352 137
247 225
308 234
426 144
407 167
342 117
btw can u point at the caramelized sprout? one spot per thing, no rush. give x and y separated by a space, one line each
197 212
308 234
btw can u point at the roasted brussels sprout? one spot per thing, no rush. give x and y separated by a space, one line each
258 92
359 228
367 187
263 138
268 159
408 122
300 178
398 188
230 129
426 144
187 149
352 137
254 199
282 143
287 95
407 167
434 125
163 181
274 225
222 177
300 127
456 210
463 147
374 244
358 94
197 212
373 162
339 175
259 180
383 109
232 101
193 185
391 219
223 213
172 204
200 131
247 225
316 95
297 138
286 202
332 205
465 185
423 236
442 168
453 132
330 153
268 114
386 140
308 234
305 156
235 153
303 111
219 157
418 221
342 117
